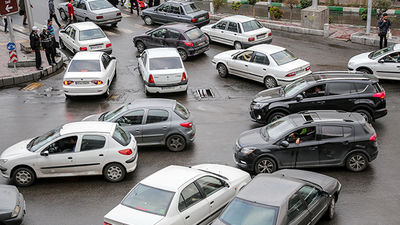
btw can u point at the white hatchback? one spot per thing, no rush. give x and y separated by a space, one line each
162 71
84 36
238 31
269 64
179 195
74 149
89 73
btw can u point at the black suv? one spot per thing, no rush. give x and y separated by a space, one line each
348 91
308 139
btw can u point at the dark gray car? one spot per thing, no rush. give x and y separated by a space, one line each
153 122
12 205
176 11
294 197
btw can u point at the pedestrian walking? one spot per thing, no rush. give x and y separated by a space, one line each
50 29
35 45
22 11
52 13
71 13
134 2
113 2
384 27
47 44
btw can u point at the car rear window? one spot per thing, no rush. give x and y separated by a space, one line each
91 34
181 111
84 66
101 4
191 8
378 87
251 25
283 57
194 33
121 136
165 63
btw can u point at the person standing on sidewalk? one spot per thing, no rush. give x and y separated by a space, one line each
22 10
384 27
47 45
71 13
50 29
35 45
134 2
52 13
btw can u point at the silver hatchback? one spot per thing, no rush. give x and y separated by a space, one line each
154 122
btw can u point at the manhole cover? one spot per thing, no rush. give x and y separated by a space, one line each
204 93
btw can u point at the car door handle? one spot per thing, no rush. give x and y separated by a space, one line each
398 66
165 127
187 217
70 157
246 65
314 148
222 32
101 155
235 34
345 142
320 102
265 69
212 203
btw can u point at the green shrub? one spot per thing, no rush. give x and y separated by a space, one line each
381 6
218 4
276 12
363 14
252 2
236 6
305 3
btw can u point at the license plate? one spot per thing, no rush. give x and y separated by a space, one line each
202 18
96 46
167 88
201 43
82 82
260 36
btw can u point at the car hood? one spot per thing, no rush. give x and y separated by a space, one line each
16 150
226 54
360 59
233 174
126 215
295 65
251 138
207 27
8 198
272 94
149 10
94 117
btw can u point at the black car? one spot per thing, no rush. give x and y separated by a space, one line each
12 205
188 39
308 139
176 11
348 91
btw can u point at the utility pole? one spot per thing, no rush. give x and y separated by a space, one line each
269 7
12 37
314 4
369 17
28 11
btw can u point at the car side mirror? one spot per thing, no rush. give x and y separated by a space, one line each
381 61
138 56
45 153
226 184
213 27
112 57
299 98
62 31
285 144
324 194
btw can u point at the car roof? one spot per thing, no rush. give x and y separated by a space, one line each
323 76
238 18
152 102
179 26
171 178
180 2
87 126
267 49
88 55
162 52
325 116
85 25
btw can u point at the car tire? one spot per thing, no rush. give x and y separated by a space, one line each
265 165
176 143
63 15
23 177
146 91
367 116
114 172
68 96
275 116
140 46
270 82
114 25
107 93
148 20
222 70
183 54
356 162
237 45
330 213
62 46
363 70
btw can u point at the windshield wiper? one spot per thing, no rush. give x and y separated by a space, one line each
101 117
29 146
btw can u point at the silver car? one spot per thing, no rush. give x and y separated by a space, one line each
100 12
153 122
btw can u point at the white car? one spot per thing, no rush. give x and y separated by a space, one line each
162 71
238 31
74 149
383 63
179 195
269 64
89 73
84 36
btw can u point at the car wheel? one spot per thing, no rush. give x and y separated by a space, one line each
265 165
148 20
176 143
275 116
330 213
367 71
140 46
222 70
367 116
270 82
183 54
107 93
23 177
68 96
357 162
63 15
62 46
114 172
237 45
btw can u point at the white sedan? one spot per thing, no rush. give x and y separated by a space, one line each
84 36
383 63
180 196
89 73
269 64
74 149
162 71
238 31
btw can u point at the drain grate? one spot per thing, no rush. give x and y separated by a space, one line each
205 93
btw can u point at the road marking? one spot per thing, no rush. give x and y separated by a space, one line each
32 86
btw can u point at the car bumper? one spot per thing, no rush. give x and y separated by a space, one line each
109 21
107 50
243 163
4 172
85 90
131 164
250 44
380 113
201 23
198 51
17 220
167 89
284 81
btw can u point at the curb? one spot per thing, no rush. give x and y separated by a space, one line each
371 40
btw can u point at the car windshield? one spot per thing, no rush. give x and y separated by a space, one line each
283 57
276 129
91 34
380 52
165 63
84 66
101 4
240 212
109 115
149 199
181 111
38 142
190 8
251 25
294 87
194 33
121 136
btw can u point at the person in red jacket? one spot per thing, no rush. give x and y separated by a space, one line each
71 13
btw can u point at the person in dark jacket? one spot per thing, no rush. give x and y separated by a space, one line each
150 3
52 13
384 27
35 45
47 44
50 29
113 2
156 2
134 2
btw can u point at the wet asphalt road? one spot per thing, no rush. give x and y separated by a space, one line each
370 197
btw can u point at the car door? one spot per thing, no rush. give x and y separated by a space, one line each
132 122
388 67
73 47
174 13
297 213
232 32
218 32
108 69
66 38
193 206
78 9
156 126
303 142
335 142
341 96
259 67
313 98
172 38
157 38
142 64
316 203
90 157
239 65
161 12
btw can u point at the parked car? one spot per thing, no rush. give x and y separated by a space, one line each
154 121
238 31
74 149
176 11
179 195
348 91
12 205
308 139
284 197
100 12
162 71
187 39
383 63
89 73
269 64
84 36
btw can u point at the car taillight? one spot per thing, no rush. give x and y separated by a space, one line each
183 76
291 74
307 68
372 138
118 14
125 151
189 44
68 82
207 38
194 20
269 34
187 125
379 95
108 45
105 223
83 49
151 79
208 16
99 17
251 39
97 82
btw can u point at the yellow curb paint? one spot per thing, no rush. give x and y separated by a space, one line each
32 86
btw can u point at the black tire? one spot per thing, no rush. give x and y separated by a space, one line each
275 116
270 82
146 91
148 20
176 143
68 96
367 71
114 172
140 46
237 45
265 165
367 116
62 46
222 70
107 93
114 24
63 15
357 162
183 54
23 177
330 213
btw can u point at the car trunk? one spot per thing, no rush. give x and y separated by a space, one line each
171 76
107 14
84 78
299 66
200 15
95 44
259 34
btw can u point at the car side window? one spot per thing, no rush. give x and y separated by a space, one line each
82 5
144 58
302 135
72 34
316 91
64 145
160 33
68 30
75 3
233 27
210 184
296 207
245 56
172 34
341 88
361 87
92 142
105 60
190 195
221 25
328 132
164 7
156 116
260 58
174 8
131 118
308 194
392 58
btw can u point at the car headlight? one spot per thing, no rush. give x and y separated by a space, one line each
247 150
351 64
259 105
3 161
16 211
